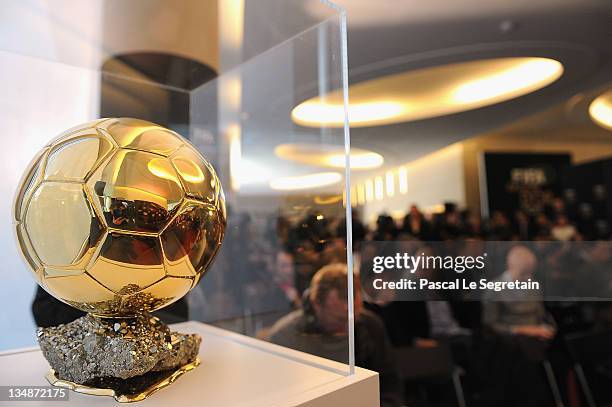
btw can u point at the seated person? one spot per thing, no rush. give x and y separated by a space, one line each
519 313
418 320
320 327
520 333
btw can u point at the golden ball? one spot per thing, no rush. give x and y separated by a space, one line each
119 216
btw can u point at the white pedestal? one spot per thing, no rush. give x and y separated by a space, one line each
236 371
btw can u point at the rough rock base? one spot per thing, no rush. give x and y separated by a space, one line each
91 350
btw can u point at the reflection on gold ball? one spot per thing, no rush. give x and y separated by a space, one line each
119 216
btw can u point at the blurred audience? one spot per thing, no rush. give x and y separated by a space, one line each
282 280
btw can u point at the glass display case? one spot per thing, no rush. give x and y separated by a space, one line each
231 77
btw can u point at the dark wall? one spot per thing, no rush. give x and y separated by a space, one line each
521 180
591 184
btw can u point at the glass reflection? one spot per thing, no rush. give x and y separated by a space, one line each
137 191
126 260
142 135
184 241
198 177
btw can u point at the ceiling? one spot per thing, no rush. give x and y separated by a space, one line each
385 37
390 37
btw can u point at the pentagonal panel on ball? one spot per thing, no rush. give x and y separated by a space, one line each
128 262
83 292
62 226
142 135
27 252
73 160
184 241
197 175
137 191
31 177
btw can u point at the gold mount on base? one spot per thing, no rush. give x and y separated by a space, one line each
165 379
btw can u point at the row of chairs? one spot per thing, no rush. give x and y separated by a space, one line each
589 352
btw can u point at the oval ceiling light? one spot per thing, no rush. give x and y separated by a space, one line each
325 155
519 79
329 200
310 181
329 114
600 110
430 92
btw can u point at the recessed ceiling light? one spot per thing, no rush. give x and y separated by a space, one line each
329 114
519 79
601 110
327 200
310 181
325 155
430 92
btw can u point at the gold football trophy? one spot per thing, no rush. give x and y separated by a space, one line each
118 218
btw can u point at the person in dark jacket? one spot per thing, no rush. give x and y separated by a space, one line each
320 328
